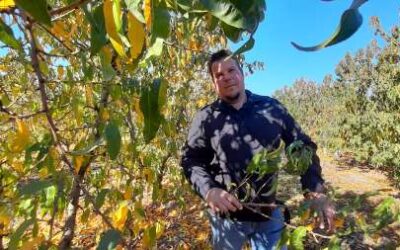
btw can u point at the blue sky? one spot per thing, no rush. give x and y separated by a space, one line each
308 22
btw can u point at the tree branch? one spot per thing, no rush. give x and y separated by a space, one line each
60 12
41 80
70 222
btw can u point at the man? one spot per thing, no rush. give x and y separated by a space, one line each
223 138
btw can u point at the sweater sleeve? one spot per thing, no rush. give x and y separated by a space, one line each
312 178
197 155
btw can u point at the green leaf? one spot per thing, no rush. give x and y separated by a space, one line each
101 198
98 34
133 7
350 22
109 240
265 161
226 12
149 236
113 139
106 68
245 47
155 49
151 101
384 207
37 9
161 24
35 186
334 244
234 34
16 236
297 237
88 149
285 236
7 36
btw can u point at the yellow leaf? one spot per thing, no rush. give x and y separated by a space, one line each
5 217
21 138
194 45
136 36
43 173
339 222
148 175
104 114
89 95
128 193
147 14
305 216
60 71
173 213
111 21
33 244
139 114
201 102
203 236
78 162
160 226
5 4
18 167
310 227
119 217
59 30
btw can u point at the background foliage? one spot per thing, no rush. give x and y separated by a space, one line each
357 111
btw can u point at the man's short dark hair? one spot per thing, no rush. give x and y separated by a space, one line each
219 55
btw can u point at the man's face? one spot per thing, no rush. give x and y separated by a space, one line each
228 80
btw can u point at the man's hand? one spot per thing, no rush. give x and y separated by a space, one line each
325 210
220 201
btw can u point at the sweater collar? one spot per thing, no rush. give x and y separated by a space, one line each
222 105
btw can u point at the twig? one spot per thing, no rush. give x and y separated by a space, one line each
14 115
286 224
252 204
55 37
66 9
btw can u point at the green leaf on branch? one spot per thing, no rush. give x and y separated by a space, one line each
35 186
113 139
226 12
161 24
37 9
16 236
283 241
245 47
151 102
7 36
155 49
101 198
233 34
266 162
299 158
109 240
350 22
334 244
297 237
98 34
